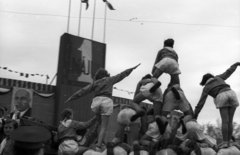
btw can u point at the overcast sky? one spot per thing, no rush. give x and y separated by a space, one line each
206 35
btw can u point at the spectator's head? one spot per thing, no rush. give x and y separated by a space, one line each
205 78
22 100
101 73
67 114
9 126
169 43
30 140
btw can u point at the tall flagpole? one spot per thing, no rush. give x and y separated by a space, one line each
105 20
93 18
69 15
79 23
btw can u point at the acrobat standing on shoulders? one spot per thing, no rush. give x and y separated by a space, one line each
225 100
174 99
147 88
102 104
167 62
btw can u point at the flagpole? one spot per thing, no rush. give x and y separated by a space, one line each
80 12
105 18
46 80
93 18
68 16
53 79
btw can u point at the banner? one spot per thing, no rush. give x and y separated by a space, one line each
79 59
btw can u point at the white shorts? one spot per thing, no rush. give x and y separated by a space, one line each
226 99
102 105
153 132
68 147
168 65
125 115
155 96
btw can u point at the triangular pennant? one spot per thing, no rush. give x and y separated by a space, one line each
85 1
109 5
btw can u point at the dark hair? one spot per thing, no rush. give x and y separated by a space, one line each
101 73
169 42
205 78
14 122
148 76
66 113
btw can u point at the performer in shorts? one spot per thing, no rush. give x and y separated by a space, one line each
147 88
174 99
225 100
123 120
167 62
102 104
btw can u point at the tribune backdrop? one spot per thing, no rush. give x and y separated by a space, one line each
79 60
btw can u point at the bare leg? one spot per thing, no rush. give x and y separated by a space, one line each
157 73
135 132
157 106
104 124
135 105
231 111
174 79
225 121
120 133
135 137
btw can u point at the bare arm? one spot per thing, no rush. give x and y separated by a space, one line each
86 125
200 104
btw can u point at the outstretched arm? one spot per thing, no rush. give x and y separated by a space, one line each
200 104
119 77
87 124
229 71
80 93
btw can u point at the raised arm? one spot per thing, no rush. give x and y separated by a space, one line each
200 104
81 92
229 71
119 77
85 125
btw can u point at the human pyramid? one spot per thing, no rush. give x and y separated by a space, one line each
155 131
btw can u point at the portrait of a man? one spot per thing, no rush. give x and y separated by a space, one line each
21 103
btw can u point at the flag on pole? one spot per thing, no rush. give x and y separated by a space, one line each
109 5
85 1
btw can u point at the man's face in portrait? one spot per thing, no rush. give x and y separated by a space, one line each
22 100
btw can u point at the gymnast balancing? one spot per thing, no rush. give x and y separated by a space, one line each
167 62
147 88
102 104
225 100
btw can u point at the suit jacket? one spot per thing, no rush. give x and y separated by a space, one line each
27 113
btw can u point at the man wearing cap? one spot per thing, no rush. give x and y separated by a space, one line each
22 101
30 140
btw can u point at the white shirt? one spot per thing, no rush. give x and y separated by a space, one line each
21 114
